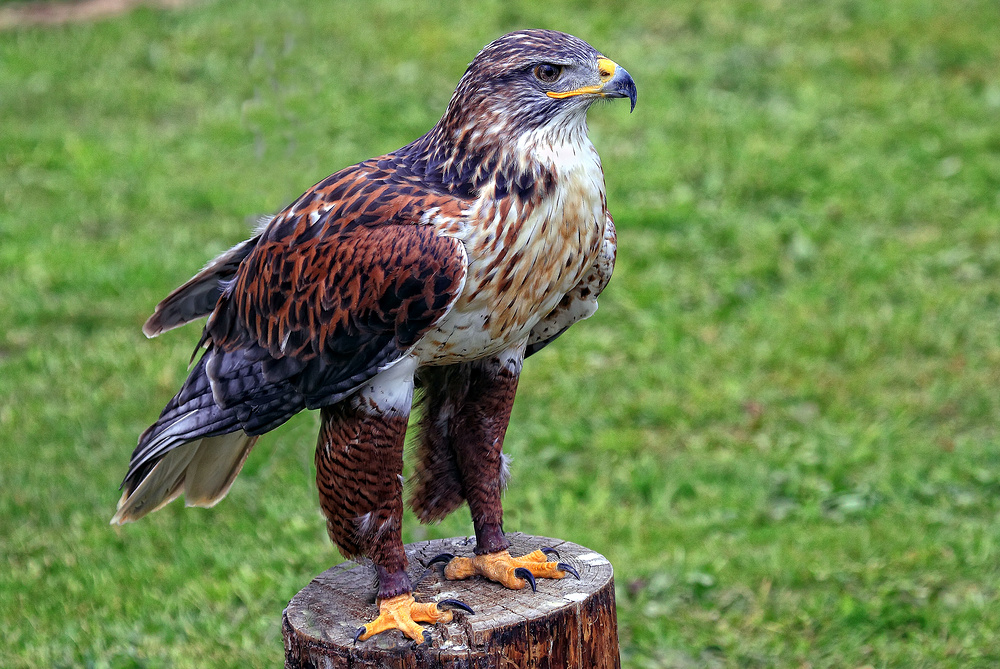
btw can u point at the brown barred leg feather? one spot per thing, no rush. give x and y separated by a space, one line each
359 460
480 430
437 488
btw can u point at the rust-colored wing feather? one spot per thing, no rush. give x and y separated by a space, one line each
342 282
339 286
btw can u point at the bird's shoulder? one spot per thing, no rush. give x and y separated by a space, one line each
378 192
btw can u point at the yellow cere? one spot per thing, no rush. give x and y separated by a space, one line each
606 68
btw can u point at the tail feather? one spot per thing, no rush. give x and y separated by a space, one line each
191 414
201 470
214 467
197 447
160 486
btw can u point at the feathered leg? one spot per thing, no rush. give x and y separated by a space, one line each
466 409
437 489
359 463
479 433
463 432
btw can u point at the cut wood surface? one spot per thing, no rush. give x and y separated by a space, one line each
567 623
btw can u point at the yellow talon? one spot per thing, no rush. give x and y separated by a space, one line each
503 568
403 613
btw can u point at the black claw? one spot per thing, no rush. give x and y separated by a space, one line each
428 640
361 630
445 604
570 568
550 551
443 557
521 572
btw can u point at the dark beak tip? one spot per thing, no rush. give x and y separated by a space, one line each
627 88
632 92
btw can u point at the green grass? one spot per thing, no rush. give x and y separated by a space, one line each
781 427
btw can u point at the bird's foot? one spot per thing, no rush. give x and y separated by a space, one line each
512 572
403 613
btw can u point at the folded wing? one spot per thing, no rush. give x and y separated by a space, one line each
337 288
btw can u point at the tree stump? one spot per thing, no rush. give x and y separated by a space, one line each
567 623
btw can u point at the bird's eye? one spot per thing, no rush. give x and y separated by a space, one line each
548 72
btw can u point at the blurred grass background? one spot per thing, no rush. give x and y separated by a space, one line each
781 426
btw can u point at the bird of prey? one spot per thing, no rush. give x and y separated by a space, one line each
440 267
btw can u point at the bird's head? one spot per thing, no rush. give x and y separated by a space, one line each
532 77
524 86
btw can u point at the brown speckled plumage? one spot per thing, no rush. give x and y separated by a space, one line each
363 505
438 266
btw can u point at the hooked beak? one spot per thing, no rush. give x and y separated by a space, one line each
619 83
616 82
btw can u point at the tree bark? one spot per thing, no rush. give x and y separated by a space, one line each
567 623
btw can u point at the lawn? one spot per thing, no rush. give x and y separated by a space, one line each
781 426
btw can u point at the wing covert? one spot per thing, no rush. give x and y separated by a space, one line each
337 289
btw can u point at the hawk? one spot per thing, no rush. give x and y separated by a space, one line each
440 266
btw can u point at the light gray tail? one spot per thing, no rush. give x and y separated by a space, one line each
201 470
